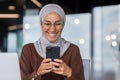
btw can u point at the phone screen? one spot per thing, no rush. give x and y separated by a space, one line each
53 52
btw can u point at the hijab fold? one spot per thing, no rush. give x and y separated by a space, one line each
42 43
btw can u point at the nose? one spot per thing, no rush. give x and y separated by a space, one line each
52 28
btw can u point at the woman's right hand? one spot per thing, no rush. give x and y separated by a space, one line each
45 67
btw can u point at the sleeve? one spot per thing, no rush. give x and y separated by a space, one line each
76 65
27 73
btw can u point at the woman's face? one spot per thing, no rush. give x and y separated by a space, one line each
52 26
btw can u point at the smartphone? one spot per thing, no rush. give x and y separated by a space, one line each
53 52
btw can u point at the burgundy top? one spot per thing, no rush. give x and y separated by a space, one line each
30 61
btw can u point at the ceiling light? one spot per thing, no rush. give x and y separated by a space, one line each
36 2
114 43
11 7
9 15
14 27
108 37
113 36
82 41
76 21
27 26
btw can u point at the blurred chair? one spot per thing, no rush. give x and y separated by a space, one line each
86 64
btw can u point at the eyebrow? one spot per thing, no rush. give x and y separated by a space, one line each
55 21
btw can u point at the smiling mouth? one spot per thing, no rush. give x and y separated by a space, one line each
52 35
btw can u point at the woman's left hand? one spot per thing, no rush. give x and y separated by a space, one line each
61 68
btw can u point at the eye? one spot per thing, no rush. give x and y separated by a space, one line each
59 23
47 24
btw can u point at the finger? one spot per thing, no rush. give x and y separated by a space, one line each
58 60
55 63
58 72
47 65
46 60
46 71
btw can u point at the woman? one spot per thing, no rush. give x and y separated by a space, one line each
33 61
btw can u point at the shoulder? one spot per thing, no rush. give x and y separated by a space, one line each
74 46
27 49
27 46
75 50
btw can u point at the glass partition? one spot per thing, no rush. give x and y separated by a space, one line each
106 43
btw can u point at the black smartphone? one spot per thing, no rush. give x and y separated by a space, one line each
53 52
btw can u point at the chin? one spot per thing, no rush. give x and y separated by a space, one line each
52 40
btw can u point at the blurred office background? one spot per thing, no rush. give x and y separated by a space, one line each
93 25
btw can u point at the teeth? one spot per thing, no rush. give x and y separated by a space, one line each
52 35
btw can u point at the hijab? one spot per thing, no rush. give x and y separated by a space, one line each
43 42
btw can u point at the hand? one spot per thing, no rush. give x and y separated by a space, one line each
62 69
45 67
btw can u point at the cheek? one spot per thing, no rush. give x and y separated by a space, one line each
60 29
44 29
